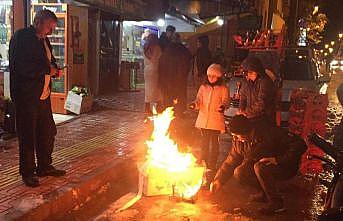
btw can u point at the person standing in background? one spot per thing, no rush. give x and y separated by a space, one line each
258 93
166 37
152 53
203 59
174 66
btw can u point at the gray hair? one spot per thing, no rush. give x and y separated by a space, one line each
43 15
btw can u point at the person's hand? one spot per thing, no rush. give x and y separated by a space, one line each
215 186
241 113
221 109
191 106
53 71
268 160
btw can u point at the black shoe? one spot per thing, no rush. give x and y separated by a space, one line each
274 207
51 171
258 198
31 181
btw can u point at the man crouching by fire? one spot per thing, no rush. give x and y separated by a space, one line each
260 159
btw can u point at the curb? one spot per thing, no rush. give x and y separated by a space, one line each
72 196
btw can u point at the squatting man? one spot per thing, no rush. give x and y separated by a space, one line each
260 158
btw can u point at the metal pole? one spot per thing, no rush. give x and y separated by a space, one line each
25 8
296 22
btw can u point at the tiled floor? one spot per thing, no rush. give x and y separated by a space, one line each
82 145
113 130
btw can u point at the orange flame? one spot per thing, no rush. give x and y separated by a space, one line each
163 153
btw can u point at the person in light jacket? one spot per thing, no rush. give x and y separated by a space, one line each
152 54
211 100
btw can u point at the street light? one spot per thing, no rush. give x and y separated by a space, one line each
325 54
220 21
326 46
332 43
161 22
340 35
330 50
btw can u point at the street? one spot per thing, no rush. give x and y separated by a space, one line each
255 83
115 132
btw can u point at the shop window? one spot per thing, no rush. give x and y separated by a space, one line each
6 23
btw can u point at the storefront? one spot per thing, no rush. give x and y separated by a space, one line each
6 28
132 51
70 48
87 39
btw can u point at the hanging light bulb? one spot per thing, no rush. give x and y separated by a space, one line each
161 22
220 21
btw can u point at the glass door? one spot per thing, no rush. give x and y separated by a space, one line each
109 53
57 40
6 20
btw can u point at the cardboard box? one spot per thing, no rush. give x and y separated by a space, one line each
159 181
156 181
78 104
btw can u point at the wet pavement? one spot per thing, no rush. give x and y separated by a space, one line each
335 109
83 146
115 131
229 204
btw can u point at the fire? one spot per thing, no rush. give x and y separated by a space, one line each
166 171
177 169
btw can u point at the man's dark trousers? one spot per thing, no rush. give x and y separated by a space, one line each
36 133
263 176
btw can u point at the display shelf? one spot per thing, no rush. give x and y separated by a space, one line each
57 44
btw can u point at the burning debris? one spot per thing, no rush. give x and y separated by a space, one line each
166 170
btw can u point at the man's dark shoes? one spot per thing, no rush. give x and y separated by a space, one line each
31 181
273 207
51 171
258 198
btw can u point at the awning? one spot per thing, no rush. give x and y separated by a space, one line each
135 10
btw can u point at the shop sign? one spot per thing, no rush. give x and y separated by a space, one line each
54 8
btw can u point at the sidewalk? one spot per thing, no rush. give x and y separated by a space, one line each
85 147
99 151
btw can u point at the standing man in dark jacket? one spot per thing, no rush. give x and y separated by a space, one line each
260 158
203 58
258 93
174 66
31 68
166 37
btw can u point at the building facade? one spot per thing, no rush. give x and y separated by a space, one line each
87 39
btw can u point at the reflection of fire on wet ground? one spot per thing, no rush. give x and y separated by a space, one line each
230 204
167 170
303 201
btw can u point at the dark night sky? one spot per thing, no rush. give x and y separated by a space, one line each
334 10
